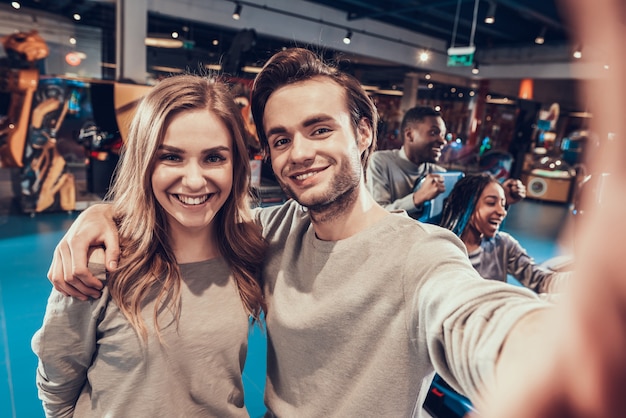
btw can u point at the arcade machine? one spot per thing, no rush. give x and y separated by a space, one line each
547 176
28 131
18 80
51 124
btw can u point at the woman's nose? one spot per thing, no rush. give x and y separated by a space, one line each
193 177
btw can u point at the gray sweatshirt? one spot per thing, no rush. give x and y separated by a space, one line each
92 363
392 177
356 327
502 255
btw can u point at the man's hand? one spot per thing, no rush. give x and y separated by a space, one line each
429 188
569 361
514 191
68 271
575 366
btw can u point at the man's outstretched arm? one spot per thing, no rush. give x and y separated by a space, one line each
569 361
68 271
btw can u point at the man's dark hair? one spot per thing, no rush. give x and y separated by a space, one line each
417 114
294 65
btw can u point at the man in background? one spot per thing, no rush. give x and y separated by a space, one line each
408 178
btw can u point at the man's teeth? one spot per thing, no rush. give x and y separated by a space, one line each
304 176
188 200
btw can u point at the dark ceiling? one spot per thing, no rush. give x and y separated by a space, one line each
517 23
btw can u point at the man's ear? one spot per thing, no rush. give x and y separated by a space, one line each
365 134
407 134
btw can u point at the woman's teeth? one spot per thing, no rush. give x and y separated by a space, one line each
189 200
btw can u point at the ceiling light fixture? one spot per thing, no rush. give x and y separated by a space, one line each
163 41
389 92
475 69
348 38
490 19
540 39
165 69
251 69
237 12
578 52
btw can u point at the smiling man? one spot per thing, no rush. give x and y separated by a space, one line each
408 178
394 176
360 311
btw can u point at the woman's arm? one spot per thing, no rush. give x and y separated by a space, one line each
523 267
65 346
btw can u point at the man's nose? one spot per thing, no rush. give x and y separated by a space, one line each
302 148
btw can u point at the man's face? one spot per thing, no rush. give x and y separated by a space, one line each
314 148
424 141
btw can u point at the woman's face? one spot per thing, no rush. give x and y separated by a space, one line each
490 210
193 173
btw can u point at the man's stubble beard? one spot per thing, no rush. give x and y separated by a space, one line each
340 197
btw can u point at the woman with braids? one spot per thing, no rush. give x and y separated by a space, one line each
168 337
474 211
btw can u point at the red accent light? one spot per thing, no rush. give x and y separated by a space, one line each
436 392
73 59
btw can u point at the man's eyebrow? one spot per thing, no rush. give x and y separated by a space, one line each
308 122
275 131
316 119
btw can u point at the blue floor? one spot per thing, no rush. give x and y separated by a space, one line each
26 247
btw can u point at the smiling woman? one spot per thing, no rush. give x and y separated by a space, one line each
178 305
192 178
474 211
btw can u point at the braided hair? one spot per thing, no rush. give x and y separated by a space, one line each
461 202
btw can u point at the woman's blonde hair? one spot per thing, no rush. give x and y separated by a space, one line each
147 264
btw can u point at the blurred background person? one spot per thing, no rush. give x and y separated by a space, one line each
474 211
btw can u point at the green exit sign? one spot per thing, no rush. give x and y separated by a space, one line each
461 56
